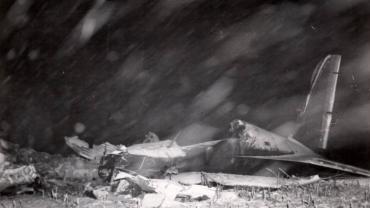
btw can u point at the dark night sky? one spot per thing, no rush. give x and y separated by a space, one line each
123 68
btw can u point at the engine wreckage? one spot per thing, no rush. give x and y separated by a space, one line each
166 171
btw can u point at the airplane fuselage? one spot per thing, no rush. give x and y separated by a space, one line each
222 155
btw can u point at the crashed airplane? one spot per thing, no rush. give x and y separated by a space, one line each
248 148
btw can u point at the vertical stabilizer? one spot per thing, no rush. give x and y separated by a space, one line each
316 117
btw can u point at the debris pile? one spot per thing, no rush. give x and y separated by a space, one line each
112 173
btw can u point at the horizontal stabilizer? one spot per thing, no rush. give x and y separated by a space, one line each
315 160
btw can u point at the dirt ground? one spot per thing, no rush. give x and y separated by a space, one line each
326 193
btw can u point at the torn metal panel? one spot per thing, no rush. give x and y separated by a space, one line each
95 153
79 146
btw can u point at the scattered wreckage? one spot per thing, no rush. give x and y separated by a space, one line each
163 172
108 180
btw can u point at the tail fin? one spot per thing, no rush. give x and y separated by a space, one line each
315 118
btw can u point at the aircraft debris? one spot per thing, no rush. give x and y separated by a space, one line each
140 181
196 193
152 200
166 149
171 171
181 188
234 180
125 170
10 177
257 181
361 182
147 159
249 142
316 160
86 202
167 187
188 178
112 161
56 166
75 141
95 153
101 193
122 187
